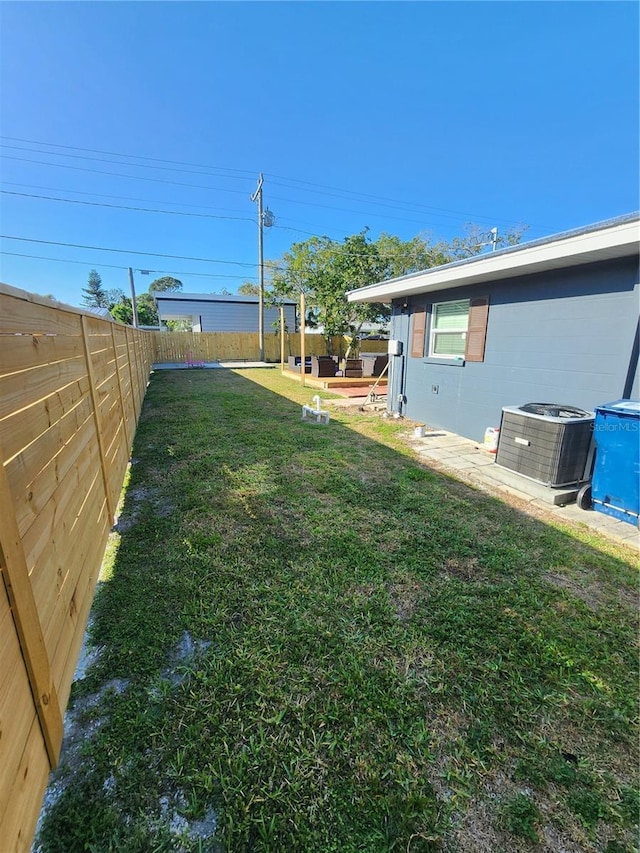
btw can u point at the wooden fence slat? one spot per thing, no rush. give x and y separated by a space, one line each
30 783
32 491
52 560
69 630
47 541
21 352
15 694
16 576
19 429
34 319
134 388
18 390
87 547
16 700
120 392
96 413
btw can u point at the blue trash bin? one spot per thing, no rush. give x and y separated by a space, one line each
615 485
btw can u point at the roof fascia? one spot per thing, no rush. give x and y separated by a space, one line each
577 248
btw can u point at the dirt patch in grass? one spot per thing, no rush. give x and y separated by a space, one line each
588 592
586 586
507 817
405 595
135 499
467 569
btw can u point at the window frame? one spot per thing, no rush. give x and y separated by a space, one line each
434 332
476 332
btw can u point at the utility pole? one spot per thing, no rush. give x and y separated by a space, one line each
303 354
281 311
133 299
257 196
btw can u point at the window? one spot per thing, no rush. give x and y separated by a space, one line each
448 333
456 332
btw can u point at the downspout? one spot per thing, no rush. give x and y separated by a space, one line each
633 364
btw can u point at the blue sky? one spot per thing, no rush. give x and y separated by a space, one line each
401 117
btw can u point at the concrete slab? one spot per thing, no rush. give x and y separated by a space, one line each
442 453
211 365
478 458
461 464
469 461
555 496
180 365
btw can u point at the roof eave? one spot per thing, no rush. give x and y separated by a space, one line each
616 240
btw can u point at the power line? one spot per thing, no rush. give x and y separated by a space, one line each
125 207
101 265
364 214
132 156
120 163
366 198
120 197
216 189
322 188
156 201
126 251
120 175
382 201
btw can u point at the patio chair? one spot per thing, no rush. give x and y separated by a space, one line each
323 365
353 368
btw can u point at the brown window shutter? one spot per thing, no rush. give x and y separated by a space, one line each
477 329
417 333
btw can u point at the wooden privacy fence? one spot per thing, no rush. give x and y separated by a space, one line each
181 347
71 390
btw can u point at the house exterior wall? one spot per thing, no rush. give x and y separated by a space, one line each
225 316
569 336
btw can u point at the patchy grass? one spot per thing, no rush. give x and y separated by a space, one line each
310 642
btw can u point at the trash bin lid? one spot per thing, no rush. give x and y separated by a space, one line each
554 410
621 407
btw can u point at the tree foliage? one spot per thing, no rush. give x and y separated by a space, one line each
249 288
122 312
477 237
147 310
94 295
325 270
167 282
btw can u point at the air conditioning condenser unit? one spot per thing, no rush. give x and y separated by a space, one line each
546 442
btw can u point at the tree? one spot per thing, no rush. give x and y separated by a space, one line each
478 237
167 282
94 294
146 304
249 288
114 296
401 257
147 310
123 312
325 270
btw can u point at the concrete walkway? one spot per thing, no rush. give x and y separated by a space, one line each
210 365
470 462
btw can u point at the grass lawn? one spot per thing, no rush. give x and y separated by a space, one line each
308 641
